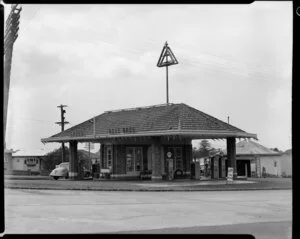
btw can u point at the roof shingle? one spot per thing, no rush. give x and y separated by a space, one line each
159 118
252 148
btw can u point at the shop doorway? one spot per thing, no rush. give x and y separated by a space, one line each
243 168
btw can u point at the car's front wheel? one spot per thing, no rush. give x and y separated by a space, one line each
55 177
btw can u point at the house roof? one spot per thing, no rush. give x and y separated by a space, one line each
252 148
158 120
26 153
289 151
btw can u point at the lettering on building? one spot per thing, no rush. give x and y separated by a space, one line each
124 130
77 133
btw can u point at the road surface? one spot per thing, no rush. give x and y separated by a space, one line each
50 211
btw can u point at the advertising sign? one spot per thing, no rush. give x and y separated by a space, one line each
230 174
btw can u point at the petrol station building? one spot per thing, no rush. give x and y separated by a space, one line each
156 139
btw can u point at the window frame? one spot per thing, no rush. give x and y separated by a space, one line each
133 158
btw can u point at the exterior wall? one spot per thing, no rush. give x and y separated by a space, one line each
156 159
149 153
188 157
74 169
8 161
120 159
162 166
231 155
119 155
268 163
258 162
286 164
18 163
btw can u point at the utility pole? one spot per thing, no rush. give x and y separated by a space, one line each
11 34
62 124
228 119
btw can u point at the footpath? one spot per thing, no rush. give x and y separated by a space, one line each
45 182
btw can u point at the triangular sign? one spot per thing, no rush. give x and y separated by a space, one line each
167 57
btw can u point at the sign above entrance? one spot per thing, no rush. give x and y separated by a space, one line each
125 130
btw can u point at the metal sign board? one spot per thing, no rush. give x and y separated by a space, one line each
230 174
167 58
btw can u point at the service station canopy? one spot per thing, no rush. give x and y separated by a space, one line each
167 120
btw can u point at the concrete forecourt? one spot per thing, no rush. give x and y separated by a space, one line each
77 211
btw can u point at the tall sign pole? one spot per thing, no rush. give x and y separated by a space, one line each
10 36
62 124
164 61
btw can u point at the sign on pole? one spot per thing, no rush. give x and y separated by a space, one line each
167 58
230 175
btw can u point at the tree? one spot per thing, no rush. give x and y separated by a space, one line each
204 145
55 157
204 148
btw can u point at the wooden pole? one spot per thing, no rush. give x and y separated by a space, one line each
167 85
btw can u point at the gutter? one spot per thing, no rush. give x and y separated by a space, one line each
189 133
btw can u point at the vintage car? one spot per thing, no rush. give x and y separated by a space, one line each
62 171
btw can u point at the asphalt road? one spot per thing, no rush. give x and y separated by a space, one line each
50 211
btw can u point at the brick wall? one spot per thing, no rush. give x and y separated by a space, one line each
187 159
120 159
156 159
73 160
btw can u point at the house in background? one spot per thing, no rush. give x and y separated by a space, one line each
8 159
24 162
254 158
286 163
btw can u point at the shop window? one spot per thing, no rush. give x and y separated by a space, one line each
134 159
31 161
108 157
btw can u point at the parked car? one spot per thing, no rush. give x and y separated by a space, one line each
62 171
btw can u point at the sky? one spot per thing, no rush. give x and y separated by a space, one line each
234 60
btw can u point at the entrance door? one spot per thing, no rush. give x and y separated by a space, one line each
134 160
243 168
240 168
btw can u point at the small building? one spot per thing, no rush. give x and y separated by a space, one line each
155 138
286 163
24 162
8 159
252 159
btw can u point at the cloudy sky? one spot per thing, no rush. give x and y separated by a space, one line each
234 60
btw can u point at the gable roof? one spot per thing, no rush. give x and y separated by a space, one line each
167 119
252 148
27 153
